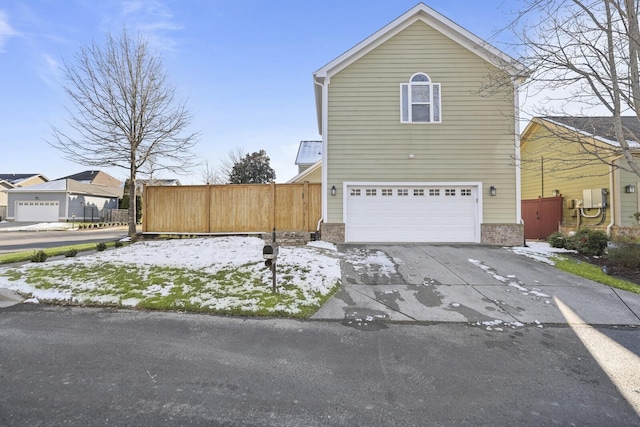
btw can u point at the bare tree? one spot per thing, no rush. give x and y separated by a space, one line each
124 112
585 52
221 174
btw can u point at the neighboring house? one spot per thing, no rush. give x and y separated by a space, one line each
413 149
557 160
309 162
140 183
13 180
23 179
94 177
61 200
309 153
4 185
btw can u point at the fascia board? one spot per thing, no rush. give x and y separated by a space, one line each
435 20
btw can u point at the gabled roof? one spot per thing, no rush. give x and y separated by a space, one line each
87 176
309 152
444 25
302 175
597 127
17 178
69 186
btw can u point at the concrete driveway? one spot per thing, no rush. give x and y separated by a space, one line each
487 286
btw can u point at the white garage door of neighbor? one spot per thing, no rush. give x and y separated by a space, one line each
397 213
37 211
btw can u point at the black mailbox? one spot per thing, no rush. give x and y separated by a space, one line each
270 251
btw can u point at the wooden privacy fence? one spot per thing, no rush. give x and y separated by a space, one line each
238 208
541 217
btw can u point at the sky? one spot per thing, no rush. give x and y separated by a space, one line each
244 67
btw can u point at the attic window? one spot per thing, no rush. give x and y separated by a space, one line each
420 100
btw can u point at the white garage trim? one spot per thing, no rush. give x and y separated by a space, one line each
37 210
412 211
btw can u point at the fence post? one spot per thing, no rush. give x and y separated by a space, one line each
273 204
305 206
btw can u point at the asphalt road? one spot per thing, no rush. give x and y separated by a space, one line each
16 241
83 367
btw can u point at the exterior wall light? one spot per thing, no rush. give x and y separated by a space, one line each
333 190
630 188
492 191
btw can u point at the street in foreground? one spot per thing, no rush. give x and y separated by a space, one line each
76 366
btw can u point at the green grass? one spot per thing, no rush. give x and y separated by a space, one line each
241 290
593 272
60 250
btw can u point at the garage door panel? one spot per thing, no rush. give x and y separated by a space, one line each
37 211
412 214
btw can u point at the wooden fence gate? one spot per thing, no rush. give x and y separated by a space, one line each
541 217
238 208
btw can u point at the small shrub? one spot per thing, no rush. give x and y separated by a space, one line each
625 252
119 244
39 256
588 241
71 253
101 246
557 240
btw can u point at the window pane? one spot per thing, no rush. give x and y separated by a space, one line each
420 93
436 102
405 103
420 78
420 112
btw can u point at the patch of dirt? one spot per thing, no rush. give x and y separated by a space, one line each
630 274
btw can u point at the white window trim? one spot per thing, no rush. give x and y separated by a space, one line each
409 102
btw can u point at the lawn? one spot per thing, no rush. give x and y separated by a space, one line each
224 275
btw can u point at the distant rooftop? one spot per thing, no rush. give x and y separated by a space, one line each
309 152
17 178
602 127
86 176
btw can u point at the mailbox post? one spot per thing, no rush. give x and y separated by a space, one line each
270 254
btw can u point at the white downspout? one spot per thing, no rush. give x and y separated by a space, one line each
324 114
611 204
516 103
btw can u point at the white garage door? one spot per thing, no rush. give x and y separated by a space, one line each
397 213
37 211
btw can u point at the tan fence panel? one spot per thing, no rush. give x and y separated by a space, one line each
240 208
232 208
180 209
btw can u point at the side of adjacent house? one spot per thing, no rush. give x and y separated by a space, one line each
13 180
413 148
557 157
61 200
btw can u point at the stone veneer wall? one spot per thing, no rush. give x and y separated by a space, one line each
333 233
502 234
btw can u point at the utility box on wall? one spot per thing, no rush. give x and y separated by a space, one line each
594 198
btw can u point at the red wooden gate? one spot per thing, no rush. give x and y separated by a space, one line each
541 217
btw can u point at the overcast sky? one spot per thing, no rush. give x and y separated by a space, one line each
244 66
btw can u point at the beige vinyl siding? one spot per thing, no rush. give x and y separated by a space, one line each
541 142
628 201
474 142
313 177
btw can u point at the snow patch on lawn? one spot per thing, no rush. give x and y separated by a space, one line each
540 251
309 272
43 226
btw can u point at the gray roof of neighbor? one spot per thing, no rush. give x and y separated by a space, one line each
82 176
16 178
70 186
601 127
309 152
